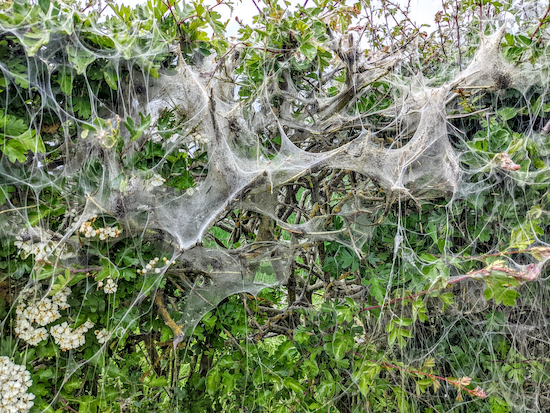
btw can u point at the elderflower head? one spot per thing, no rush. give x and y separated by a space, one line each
67 338
200 139
15 380
42 312
155 181
102 335
102 233
42 249
110 286
151 266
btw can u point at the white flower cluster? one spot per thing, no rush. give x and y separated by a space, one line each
109 286
102 233
71 214
154 181
102 335
67 338
15 380
43 249
200 139
151 266
42 312
142 182
156 138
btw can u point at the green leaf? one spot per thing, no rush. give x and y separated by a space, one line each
509 39
364 384
340 347
309 51
108 270
44 5
377 289
294 385
447 299
137 131
229 381
83 107
11 125
66 280
33 40
65 80
31 142
111 77
507 113
159 382
393 336
5 192
80 58
300 335
44 374
212 381
15 151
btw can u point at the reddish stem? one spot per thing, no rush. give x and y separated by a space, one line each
67 406
455 383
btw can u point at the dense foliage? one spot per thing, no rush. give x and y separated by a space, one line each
334 210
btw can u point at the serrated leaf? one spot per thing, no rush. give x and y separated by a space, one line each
108 270
212 381
35 40
66 280
11 125
15 151
80 58
31 142
377 289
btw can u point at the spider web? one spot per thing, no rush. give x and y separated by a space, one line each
432 160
